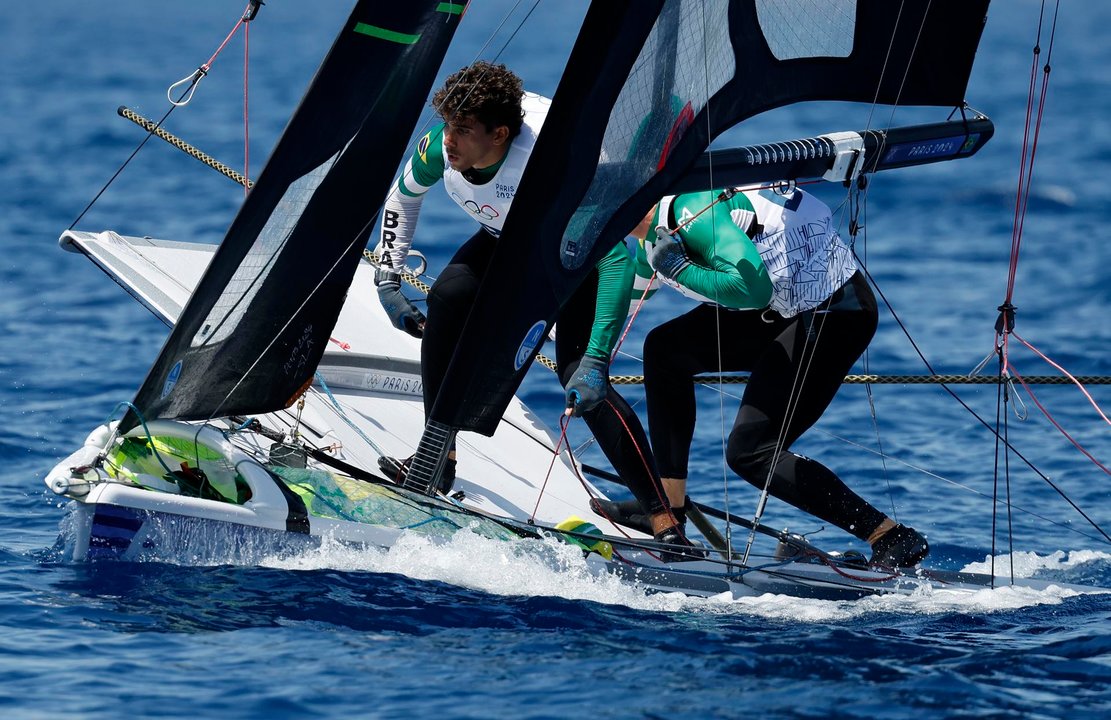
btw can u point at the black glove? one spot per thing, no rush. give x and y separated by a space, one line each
401 311
667 255
587 386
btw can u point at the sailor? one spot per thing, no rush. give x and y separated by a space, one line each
782 298
489 128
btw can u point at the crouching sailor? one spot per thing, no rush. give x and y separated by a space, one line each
782 298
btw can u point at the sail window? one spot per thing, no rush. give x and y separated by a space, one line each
807 28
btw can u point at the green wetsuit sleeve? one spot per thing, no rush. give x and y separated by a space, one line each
426 166
724 264
615 278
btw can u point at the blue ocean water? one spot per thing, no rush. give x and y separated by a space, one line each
474 629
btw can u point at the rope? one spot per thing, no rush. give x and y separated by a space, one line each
893 380
186 95
563 422
247 16
154 129
372 257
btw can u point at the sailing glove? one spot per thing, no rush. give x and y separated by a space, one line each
401 311
587 386
668 255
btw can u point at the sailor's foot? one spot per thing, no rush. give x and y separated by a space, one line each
899 547
396 470
631 514
679 548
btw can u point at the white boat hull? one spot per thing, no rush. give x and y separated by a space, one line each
367 403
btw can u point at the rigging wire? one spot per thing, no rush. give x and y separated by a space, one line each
246 74
1004 326
857 206
856 199
989 426
1007 310
183 99
724 443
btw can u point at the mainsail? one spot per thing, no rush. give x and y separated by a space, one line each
255 329
647 87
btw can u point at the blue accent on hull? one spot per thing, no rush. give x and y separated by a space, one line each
113 529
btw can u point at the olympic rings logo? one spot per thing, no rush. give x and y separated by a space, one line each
486 212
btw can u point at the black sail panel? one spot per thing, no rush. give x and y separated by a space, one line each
525 269
257 325
647 87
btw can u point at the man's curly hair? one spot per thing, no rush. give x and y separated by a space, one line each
489 93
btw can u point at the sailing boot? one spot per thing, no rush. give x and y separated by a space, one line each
396 470
900 547
679 548
631 514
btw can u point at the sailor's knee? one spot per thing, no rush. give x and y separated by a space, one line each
453 291
745 458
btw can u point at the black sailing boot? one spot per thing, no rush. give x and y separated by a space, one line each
900 547
679 548
631 514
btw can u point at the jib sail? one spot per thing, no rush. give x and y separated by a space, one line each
256 327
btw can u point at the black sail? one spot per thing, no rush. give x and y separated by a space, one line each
647 87
254 330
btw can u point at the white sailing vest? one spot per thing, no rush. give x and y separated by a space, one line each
489 202
805 258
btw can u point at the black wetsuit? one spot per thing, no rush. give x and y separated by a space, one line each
787 256
811 353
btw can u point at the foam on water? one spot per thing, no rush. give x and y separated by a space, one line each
521 568
555 569
1027 564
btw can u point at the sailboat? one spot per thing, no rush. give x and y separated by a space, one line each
282 381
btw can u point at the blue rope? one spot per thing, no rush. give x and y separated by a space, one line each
342 414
